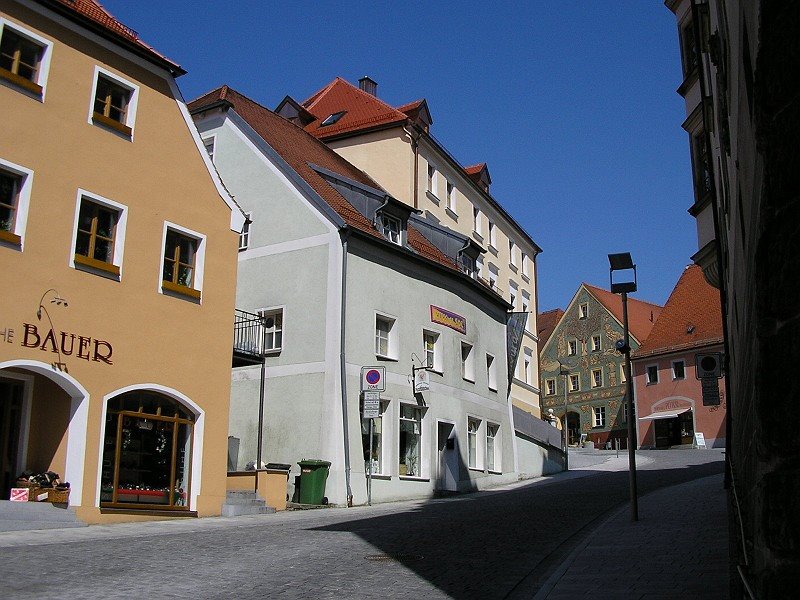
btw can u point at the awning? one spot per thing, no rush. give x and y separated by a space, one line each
666 414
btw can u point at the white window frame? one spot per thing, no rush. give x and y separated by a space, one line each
598 416
674 375
595 383
47 50
433 181
476 221
526 268
391 342
422 467
492 234
623 377
438 360
494 273
548 384
599 346
648 379
450 201
481 267
380 421
468 362
570 344
573 377
583 310
133 102
491 372
388 232
513 290
512 250
244 235
527 367
624 411
119 231
479 438
266 313
199 255
23 199
496 466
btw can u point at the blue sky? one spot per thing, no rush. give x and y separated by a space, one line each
571 103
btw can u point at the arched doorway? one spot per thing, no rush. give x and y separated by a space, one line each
147 452
573 427
43 424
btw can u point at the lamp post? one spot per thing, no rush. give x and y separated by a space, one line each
624 262
565 372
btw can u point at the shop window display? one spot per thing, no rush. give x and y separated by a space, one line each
147 452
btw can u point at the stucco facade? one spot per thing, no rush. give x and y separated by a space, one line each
80 333
333 284
670 408
416 169
583 342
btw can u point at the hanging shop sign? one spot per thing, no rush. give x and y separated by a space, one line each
421 382
62 343
448 319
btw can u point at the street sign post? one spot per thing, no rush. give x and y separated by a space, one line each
371 409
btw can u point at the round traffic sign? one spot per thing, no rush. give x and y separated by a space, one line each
373 376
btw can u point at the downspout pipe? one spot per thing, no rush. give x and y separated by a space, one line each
343 369
415 148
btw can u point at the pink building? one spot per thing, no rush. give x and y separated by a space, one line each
669 399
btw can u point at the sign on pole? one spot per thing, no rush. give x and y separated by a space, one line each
372 407
373 379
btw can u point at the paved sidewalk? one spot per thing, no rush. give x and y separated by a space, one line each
677 549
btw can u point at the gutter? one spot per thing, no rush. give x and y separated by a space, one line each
345 233
415 148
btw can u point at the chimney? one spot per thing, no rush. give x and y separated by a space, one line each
369 85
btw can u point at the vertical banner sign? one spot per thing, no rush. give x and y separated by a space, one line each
514 328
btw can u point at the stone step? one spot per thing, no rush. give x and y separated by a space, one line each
244 502
20 516
237 510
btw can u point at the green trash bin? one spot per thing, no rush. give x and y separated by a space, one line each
313 475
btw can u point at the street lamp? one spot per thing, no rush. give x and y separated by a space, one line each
565 372
624 262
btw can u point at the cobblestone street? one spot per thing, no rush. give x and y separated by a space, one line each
503 543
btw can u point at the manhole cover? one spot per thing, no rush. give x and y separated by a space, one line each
397 557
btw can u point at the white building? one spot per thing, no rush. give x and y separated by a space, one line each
395 147
347 276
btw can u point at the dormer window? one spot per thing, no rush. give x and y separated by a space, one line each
392 229
333 118
468 264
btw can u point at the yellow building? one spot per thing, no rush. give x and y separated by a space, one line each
118 247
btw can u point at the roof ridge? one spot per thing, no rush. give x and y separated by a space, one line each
314 98
361 92
595 287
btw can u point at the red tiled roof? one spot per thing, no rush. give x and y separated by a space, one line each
546 324
475 169
363 110
641 315
411 107
300 150
691 317
97 13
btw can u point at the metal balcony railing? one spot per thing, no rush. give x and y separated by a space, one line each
248 337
